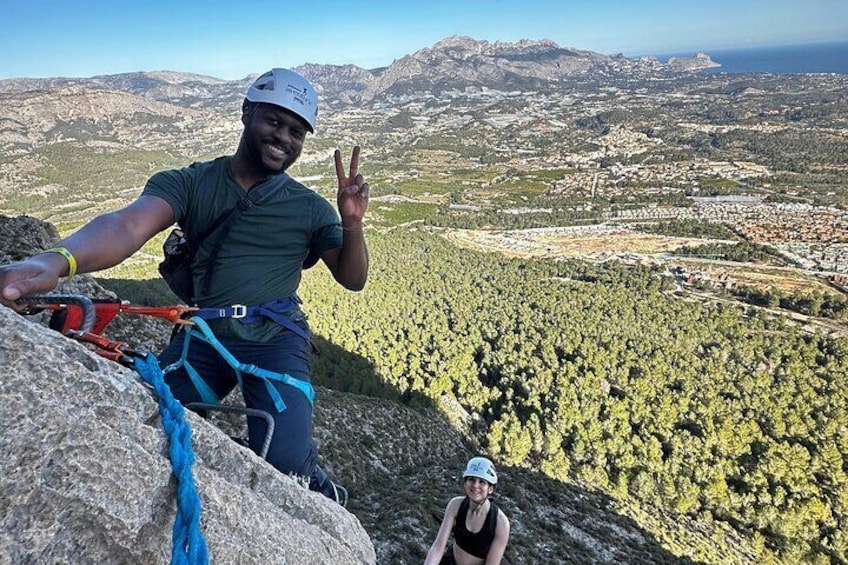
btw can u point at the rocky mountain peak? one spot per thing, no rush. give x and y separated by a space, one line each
459 41
458 62
470 46
492 48
337 78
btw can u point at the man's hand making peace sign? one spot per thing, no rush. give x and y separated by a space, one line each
352 196
349 263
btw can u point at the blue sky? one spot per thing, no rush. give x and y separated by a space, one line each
231 39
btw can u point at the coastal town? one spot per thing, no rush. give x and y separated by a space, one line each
641 164
624 157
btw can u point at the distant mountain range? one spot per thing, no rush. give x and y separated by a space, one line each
188 112
454 63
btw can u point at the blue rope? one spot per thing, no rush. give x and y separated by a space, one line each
189 546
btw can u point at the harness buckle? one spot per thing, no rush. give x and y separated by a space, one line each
239 311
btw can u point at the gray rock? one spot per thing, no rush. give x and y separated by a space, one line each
23 236
85 478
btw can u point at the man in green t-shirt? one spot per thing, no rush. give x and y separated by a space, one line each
246 280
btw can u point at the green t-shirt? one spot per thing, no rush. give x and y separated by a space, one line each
261 257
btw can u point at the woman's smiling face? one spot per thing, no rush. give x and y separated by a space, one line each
478 489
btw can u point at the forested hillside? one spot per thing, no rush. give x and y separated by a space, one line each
598 374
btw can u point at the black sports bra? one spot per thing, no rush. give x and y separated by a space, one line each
477 544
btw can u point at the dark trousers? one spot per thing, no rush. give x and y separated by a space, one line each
292 449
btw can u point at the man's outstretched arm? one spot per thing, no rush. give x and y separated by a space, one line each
103 242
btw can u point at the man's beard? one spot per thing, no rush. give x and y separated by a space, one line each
256 153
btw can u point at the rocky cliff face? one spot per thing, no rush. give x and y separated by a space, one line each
85 476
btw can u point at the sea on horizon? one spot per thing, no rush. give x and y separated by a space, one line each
781 59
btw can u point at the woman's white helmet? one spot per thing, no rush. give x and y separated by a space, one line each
482 468
289 90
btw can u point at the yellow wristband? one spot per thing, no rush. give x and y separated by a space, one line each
72 262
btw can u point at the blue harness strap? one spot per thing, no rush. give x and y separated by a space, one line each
276 310
189 545
202 332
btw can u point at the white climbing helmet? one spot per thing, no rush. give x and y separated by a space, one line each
482 468
289 90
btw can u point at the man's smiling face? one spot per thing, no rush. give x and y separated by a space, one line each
273 137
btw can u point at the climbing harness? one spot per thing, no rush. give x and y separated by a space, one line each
82 319
200 330
278 310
